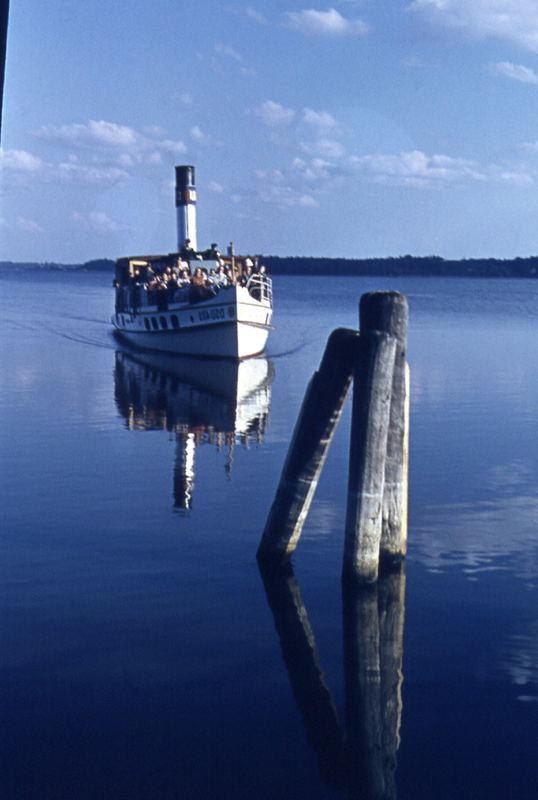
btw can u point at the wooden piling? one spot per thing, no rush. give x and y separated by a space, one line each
388 312
318 417
372 391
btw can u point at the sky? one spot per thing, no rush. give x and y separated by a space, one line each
353 128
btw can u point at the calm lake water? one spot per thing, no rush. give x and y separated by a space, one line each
141 655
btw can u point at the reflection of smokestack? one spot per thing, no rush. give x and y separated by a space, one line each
186 207
184 471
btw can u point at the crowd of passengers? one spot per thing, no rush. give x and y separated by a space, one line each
175 283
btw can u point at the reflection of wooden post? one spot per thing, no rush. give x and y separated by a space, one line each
372 391
301 657
364 760
373 652
391 604
363 692
318 417
388 312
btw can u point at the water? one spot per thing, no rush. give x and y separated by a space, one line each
141 655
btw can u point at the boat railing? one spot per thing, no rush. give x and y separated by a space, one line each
260 287
136 297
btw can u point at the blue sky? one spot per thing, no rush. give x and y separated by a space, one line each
353 128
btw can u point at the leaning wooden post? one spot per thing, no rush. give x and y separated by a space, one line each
318 417
372 391
388 312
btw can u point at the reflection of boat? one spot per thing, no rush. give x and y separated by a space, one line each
199 400
193 303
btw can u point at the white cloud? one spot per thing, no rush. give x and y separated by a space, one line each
327 148
531 147
314 171
96 221
307 201
514 178
110 137
199 136
215 187
94 133
228 50
516 72
284 191
255 15
171 146
25 166
287 197
419 170
318 119
20 161
515 21
274 114
68 172
28 225
325 23
272 175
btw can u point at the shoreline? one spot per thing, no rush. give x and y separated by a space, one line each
389 267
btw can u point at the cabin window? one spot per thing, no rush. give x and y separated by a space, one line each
174 320
155 324
164 323
146 323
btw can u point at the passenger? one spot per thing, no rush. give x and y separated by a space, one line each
220 278
257 288
162 297
171 287
199 288
247 274
187 251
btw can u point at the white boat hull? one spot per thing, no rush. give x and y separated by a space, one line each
231 324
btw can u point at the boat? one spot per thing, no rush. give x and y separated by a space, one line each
223 406
192 302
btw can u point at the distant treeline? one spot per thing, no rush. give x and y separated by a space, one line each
425 266
97 265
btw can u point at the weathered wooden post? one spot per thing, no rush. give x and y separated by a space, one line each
318 417
372 391
376 520
388 312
